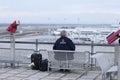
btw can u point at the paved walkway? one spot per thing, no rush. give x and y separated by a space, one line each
28 74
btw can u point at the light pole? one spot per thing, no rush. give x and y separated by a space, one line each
65 21
78 19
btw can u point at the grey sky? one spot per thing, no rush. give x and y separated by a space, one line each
60 11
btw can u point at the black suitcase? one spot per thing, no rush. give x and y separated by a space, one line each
36 59
44 65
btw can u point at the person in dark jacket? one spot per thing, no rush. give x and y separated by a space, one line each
64 43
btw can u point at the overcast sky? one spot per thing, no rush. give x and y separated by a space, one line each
60 11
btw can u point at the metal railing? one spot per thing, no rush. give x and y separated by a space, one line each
25 48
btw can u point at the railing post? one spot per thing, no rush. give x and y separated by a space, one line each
12 39
116 54
92 52
118 61
36 45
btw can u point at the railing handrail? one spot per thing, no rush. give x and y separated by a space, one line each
18 49
83 44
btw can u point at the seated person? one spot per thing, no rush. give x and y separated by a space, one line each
64 43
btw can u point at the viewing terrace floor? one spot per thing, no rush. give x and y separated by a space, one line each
25 73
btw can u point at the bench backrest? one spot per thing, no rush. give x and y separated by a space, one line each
75 57
68 55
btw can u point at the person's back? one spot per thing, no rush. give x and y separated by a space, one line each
64 43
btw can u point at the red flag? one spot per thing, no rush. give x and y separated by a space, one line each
13 27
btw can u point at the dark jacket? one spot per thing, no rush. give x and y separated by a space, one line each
64 43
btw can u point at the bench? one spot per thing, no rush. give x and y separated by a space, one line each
62 59
106 63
